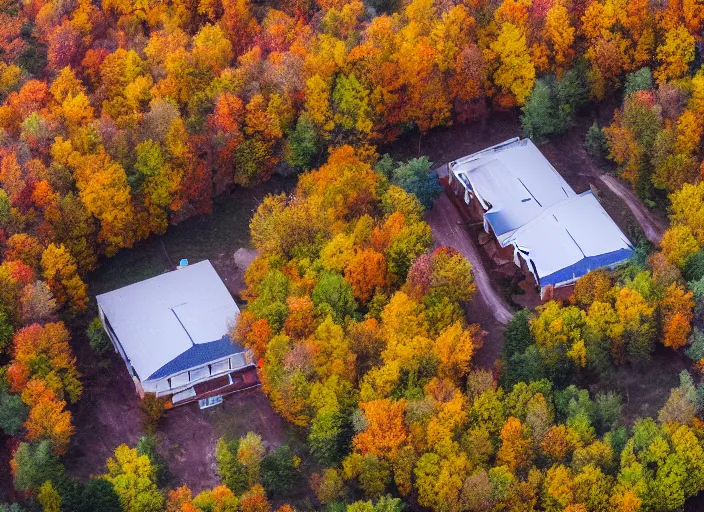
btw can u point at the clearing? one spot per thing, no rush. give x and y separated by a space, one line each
109 415
565 153
447 225
489 308
652 226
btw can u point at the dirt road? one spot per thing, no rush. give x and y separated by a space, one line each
652 226
447 225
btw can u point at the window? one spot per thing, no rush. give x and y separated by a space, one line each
179 380
199 373
210 401
237 361
220 367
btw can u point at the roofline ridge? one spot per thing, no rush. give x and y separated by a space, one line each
155 277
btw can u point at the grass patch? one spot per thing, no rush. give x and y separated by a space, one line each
196 239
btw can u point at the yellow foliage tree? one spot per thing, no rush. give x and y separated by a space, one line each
678 244
516 450
687 209
560 34
514 73
386 431
675 54
61 273
455 347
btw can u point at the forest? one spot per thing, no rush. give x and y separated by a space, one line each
119 118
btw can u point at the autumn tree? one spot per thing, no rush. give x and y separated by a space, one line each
676 307
367 272
385 431
232 472
61 272
514 73
48 345
132 477
675 54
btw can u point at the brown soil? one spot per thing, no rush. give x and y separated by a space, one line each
652 226
644 392
448 230
489 309
109 415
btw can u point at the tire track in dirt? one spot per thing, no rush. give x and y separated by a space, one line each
447 226
651 225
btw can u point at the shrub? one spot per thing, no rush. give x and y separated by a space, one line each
327 487
34 464
232 472
696 345
147 446
678 408
11 507
13 412
641 80
254 500
572 93
49 497
385 165
540 117
518 336
303 144
607 411
98 494
98 338
279 471
250 452
595 143
71 492
333 295
414 177
553 104
385 6
6 330
693 269
152 411
327 439
523 367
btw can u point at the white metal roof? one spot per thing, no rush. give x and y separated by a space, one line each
159 319
514 182
529 205
572 234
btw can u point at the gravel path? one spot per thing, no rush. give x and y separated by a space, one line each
448 230
652 226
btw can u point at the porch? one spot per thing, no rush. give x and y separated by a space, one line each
222 386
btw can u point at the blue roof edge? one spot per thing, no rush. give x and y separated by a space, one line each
198 355
585 265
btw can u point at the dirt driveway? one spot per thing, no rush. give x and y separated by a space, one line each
448 229
652 226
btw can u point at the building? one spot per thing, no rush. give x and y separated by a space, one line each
554 234
171 331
